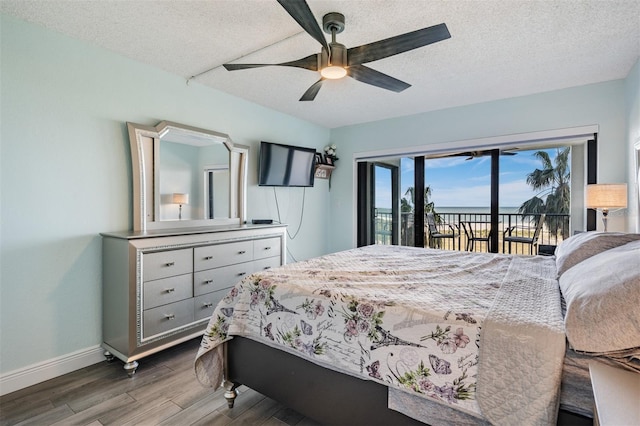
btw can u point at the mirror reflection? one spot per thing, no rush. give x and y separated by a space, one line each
199 174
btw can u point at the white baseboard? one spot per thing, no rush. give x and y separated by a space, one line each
37 373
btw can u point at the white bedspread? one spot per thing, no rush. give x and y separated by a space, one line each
478 332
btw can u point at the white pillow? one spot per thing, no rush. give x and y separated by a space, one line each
582 246
603 300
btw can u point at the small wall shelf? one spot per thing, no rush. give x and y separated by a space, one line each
323 171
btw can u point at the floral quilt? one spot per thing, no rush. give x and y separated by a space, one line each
410 318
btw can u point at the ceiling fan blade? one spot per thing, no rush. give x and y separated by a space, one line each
475 154
299 10
376 78
469 154
309 63
312 91
398 44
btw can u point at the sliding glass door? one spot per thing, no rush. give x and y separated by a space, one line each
385 203
378 203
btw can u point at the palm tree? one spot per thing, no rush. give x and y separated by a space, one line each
407 204
553 182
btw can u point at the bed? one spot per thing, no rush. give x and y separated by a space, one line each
389 335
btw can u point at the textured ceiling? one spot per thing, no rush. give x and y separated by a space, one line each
498 49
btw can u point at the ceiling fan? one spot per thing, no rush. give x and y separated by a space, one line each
475 154
470 154
336 61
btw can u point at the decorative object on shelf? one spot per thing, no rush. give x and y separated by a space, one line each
605 196
180 199
326 167
323 171
330 155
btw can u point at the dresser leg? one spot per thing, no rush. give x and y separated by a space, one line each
108 355
131 367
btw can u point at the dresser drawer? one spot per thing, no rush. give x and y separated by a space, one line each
219 278
167 290
264 264
164 318
222 254
168 263
228 276
205 305
266 247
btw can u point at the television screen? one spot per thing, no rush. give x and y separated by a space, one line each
285 165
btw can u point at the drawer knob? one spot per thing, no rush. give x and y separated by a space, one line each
241 273
170 290
267 267
267 248
208 257
208 282
170 316
241 252
169 263
208 305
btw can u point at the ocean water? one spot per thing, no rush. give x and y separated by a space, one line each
466 210
487 210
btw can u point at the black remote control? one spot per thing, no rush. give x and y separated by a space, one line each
262 221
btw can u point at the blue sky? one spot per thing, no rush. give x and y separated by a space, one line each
457 182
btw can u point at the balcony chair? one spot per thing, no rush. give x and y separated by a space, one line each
436 230
472 237
509 237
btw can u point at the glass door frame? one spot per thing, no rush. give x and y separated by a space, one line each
366 232
395 200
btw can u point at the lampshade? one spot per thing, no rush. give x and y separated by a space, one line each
607 196
180 198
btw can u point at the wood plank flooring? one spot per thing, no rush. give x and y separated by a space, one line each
164 391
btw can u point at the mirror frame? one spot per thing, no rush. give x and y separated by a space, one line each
636 152
145 147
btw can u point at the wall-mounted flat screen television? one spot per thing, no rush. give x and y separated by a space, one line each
285 165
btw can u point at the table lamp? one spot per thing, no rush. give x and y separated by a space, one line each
605 196
180 198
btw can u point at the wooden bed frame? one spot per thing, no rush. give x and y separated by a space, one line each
327 396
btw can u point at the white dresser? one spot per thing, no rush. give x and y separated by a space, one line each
161 287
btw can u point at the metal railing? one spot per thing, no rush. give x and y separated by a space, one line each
554 230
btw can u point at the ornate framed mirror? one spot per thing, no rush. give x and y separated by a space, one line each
184 176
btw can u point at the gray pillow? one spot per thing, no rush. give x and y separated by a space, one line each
582 246
603 301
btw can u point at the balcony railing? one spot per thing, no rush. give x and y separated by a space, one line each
555 229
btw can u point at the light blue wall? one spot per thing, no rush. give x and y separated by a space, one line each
632 104
66 173
602 104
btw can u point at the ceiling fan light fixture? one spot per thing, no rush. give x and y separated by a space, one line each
333 72
333 66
